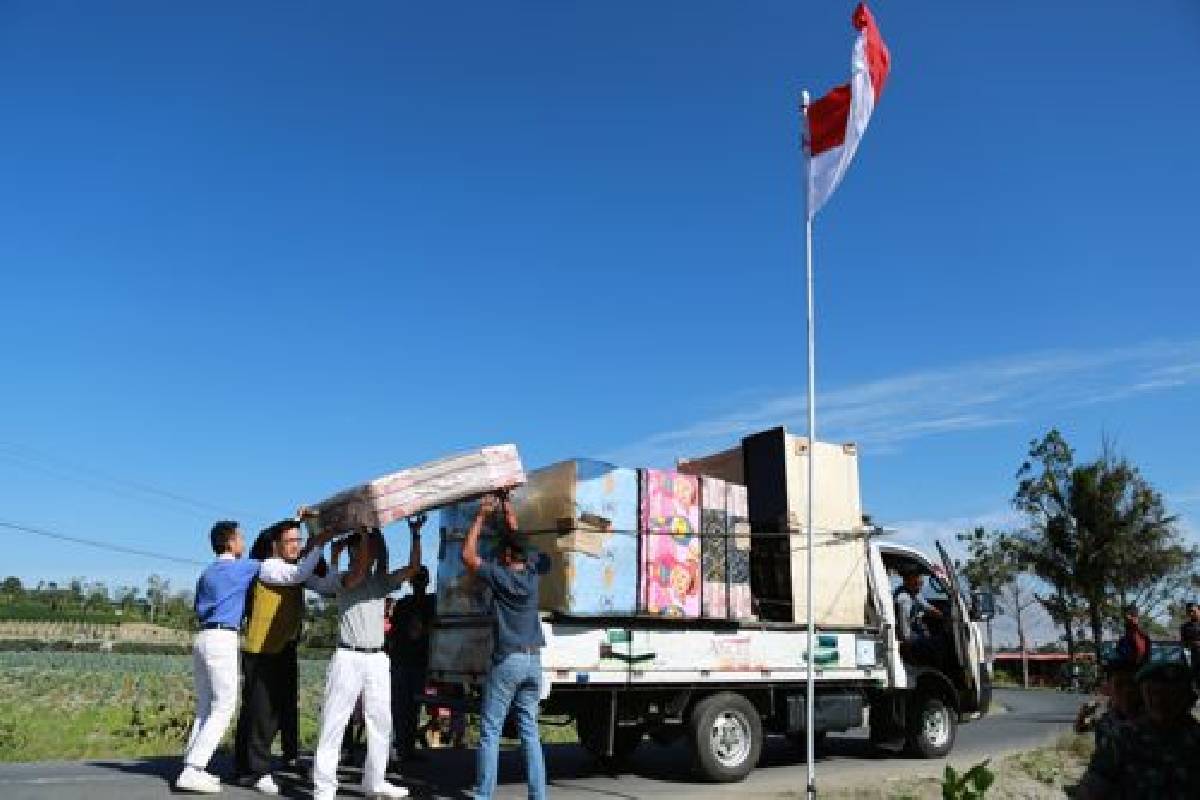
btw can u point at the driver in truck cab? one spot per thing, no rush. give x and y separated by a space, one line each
916 640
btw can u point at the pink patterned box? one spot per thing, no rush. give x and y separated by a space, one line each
411 491
670 552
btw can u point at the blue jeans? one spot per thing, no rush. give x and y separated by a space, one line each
517 678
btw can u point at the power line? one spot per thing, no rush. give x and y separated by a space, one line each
114 548
97 479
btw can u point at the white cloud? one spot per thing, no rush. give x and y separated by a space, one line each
884 413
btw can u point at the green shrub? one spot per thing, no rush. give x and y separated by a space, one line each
971 785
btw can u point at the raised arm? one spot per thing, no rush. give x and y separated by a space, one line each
470 551
407 572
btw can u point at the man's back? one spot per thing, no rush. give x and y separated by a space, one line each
514 607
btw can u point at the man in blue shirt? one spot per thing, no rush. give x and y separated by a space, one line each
220 605
516 672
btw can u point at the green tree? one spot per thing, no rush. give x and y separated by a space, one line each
12 588
994 564
1099 535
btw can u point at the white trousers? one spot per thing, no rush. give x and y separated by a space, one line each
215 662
352 674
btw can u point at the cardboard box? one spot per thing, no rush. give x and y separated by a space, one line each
581 516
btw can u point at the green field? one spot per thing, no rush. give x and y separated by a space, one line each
62 706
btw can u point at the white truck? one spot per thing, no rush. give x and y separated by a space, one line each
725 684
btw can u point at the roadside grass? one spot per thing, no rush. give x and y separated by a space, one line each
1044 773
69 706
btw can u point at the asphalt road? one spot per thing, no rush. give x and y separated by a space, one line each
1032 719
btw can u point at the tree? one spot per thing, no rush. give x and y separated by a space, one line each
1049 547
1099 535
994 563
12 587
157 590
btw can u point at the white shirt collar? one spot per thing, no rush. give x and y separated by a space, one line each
225 557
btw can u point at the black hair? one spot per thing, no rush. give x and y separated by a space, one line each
275 530
261 549
514 548
222 535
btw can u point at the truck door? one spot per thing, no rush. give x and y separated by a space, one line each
960 625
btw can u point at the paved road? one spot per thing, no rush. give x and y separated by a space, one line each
1033 718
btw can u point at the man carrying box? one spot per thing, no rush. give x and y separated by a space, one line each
269 666
359 665
220 605
516 672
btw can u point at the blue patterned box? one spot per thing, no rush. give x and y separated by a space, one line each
583 513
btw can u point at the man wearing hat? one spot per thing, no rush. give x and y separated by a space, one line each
1158 756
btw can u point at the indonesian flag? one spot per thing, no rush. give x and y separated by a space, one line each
837 122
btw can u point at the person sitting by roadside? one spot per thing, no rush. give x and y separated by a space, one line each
1124 703
1157 757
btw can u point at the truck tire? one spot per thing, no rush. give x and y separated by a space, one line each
593 735
931 727
725 732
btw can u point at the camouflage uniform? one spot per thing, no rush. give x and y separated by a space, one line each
1140 761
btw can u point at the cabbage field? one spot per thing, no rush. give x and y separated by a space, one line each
56 705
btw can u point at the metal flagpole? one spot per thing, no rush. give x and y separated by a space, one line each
809 733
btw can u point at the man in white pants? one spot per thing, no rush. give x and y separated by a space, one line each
360 665
220 605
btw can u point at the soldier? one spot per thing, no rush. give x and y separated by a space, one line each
1158 756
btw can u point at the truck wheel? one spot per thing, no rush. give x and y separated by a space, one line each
931 727
726 737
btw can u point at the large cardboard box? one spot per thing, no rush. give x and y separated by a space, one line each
777 464
580 518
422 488
670 578
583 514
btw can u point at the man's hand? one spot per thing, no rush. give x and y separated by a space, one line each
488 505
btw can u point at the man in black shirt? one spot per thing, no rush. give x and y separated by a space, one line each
516 672
1189 637
408 646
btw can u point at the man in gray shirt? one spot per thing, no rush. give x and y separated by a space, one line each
916 643
359 665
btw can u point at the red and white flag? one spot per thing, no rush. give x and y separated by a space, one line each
837 122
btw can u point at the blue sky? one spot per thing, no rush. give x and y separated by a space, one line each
254 254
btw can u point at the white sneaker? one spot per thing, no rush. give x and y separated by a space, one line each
266 785
386 790
196 780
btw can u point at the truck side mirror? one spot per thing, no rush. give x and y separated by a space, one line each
983 605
